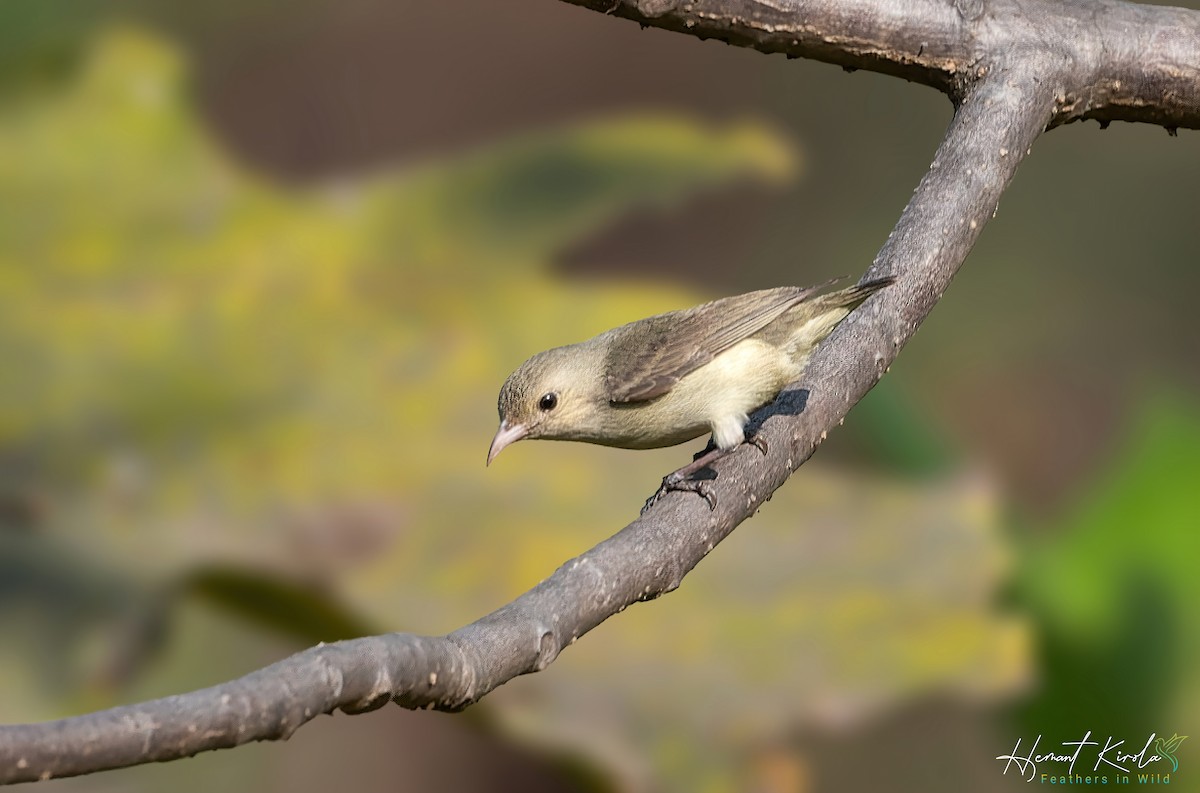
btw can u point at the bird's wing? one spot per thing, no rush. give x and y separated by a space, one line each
647 358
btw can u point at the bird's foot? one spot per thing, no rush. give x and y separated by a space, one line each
682 480
683 484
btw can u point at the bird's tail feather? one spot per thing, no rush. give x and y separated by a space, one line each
852 296
824 313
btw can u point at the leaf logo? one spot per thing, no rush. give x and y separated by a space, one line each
1168 748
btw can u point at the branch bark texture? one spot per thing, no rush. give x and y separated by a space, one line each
1013 69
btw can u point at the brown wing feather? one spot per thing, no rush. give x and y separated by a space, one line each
647 358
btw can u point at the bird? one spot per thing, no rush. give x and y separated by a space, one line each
672 377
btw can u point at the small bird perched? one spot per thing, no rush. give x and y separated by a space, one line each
670 378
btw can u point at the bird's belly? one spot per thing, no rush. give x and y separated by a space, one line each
737 382
644 426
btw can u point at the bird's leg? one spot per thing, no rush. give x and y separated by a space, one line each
711 445
681 479
700 461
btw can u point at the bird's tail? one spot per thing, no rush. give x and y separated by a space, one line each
823 313
854 295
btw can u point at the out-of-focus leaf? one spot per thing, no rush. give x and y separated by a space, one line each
524 200
300 612
1115 591
899 435
70 619
41 43
203 363
206 366
94 623
83 619
153 283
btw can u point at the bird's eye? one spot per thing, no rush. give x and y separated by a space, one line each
548 401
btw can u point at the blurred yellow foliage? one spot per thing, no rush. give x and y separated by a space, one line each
185 334
203 367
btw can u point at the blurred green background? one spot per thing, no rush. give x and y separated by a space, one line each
263 267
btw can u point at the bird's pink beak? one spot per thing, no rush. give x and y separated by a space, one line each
504 436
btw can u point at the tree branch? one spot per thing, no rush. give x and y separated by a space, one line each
925 41
1011 75
1123 61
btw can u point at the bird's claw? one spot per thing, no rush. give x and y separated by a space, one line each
758 441
683 484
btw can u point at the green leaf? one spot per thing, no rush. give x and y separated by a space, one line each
41 42
1114 589
306 613
527 198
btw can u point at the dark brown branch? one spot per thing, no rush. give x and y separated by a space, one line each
926 41
1012 69
1122 61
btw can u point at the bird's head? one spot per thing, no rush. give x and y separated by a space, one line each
547 397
